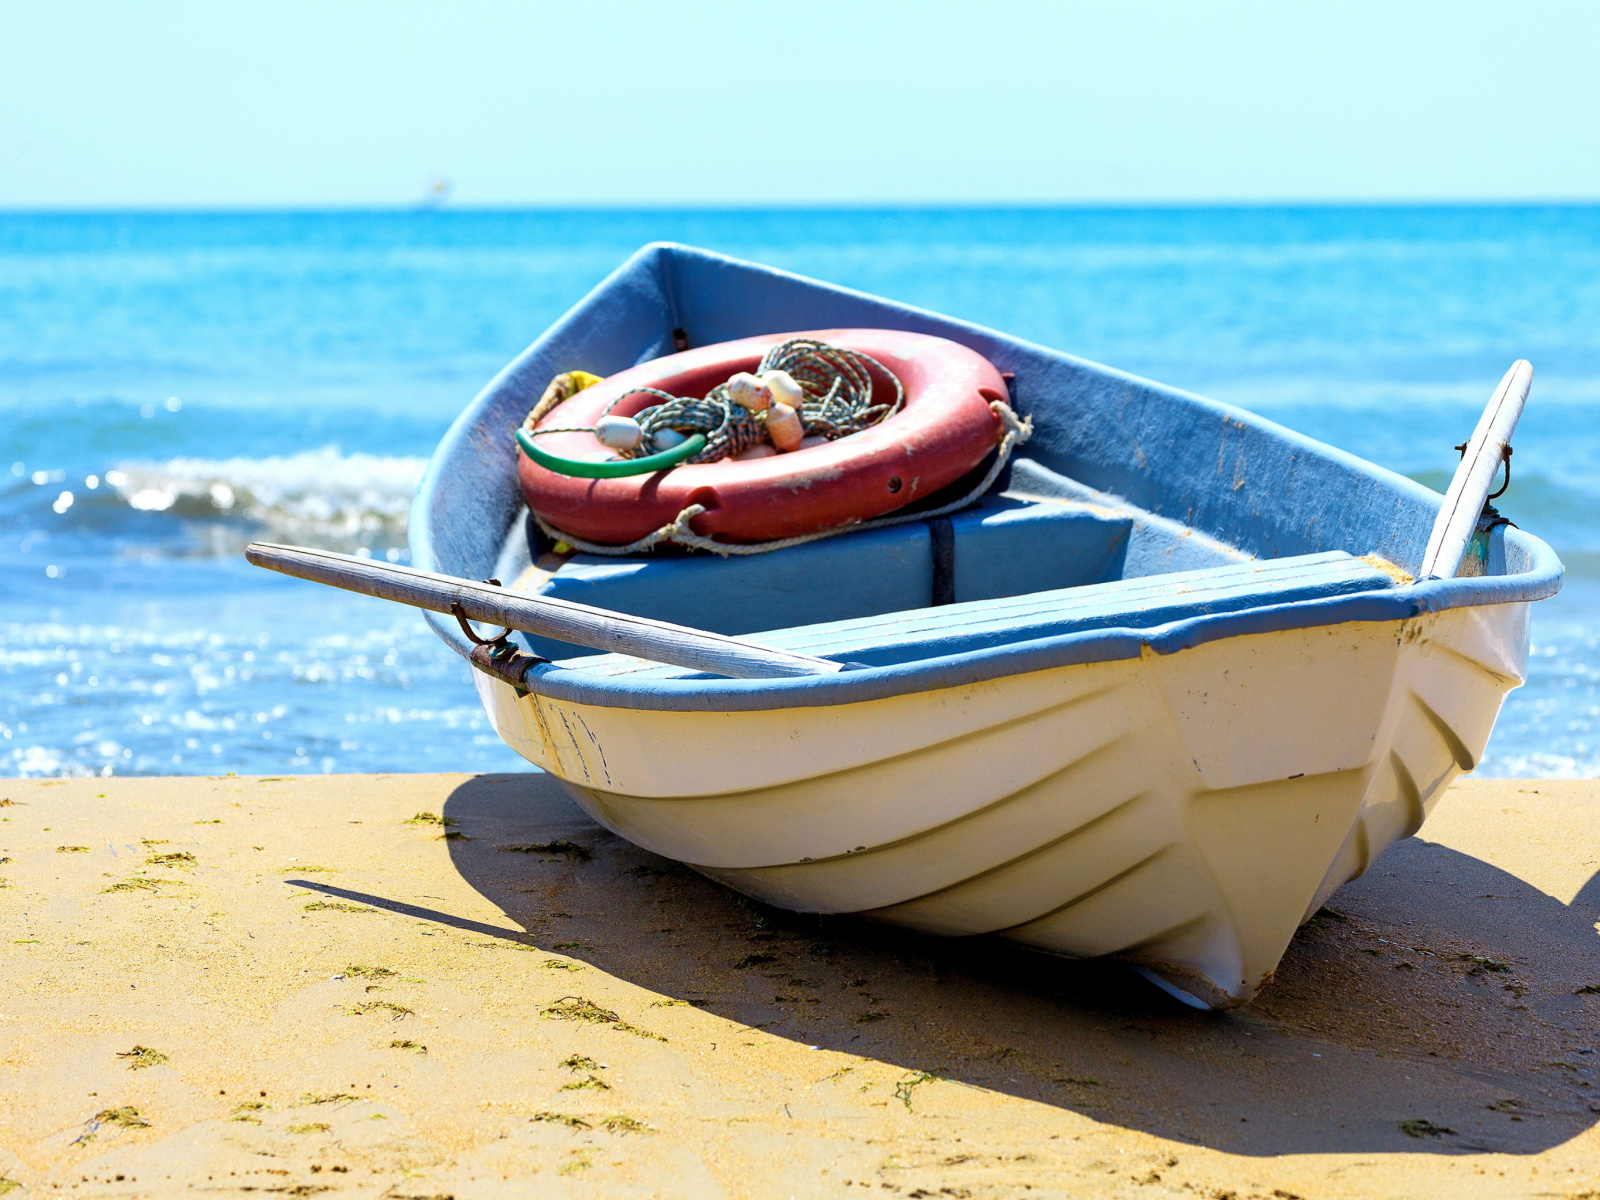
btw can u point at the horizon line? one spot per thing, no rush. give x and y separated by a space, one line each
599 206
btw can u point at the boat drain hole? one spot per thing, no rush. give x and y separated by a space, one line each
894 483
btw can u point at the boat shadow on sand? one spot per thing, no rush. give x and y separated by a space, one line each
1435 1007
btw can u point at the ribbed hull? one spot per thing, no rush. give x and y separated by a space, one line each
1185 811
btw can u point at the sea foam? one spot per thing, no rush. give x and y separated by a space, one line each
340 501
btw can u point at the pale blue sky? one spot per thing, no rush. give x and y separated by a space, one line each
203 104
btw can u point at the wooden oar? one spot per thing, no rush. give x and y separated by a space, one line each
1469 490
581 624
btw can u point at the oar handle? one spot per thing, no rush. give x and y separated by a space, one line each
1469 489
581 624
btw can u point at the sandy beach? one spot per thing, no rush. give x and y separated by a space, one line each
445 985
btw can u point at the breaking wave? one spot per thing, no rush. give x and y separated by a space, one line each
321 496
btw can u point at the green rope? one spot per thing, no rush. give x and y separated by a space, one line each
588 468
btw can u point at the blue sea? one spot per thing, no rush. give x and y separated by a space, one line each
173 385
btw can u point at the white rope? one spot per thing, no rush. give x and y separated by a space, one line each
679 533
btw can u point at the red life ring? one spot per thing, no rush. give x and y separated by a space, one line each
944 430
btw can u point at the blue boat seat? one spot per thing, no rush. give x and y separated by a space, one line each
1002 546
1140 603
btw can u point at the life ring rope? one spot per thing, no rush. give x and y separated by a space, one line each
679 532
831 391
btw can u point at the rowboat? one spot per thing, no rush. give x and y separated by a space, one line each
1177 677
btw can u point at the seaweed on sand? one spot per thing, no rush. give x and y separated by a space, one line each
556 1118
140 883
560 846
142 1056
128 1117
325 1098
903 1089
581 1160
579 1008
1418 1128
621 1124
398 1012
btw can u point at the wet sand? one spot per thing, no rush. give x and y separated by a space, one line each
295 986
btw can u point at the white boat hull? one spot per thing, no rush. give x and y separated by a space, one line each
1184 811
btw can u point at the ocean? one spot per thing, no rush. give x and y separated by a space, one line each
173 385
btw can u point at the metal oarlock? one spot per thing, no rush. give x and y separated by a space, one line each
498 656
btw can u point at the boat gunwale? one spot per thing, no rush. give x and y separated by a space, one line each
1540 577
710 694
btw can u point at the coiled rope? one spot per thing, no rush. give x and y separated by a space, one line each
837 384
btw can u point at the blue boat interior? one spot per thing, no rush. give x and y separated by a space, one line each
1132 506
1037 533
976 625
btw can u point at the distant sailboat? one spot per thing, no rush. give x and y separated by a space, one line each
438 191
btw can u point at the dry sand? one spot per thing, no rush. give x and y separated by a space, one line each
286 987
